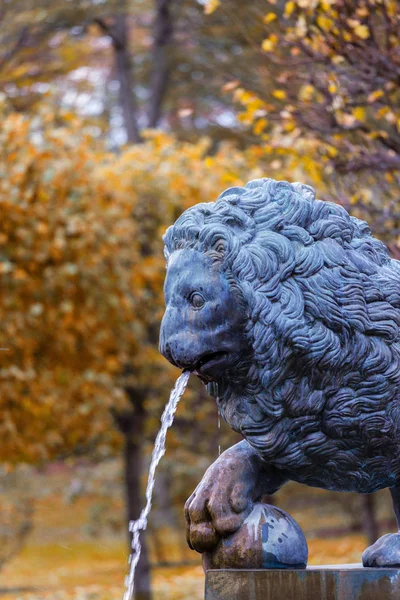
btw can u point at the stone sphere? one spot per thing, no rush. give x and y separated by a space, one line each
268 539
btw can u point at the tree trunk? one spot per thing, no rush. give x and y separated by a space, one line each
165 513
163 30
124 75
119 34
369 521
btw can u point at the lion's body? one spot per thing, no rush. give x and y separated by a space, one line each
321 398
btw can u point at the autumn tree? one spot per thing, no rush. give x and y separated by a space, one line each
339 81
126 65
66 260
82 270
328 111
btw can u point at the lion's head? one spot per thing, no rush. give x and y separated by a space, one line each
277 299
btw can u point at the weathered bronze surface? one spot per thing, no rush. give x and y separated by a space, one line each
313 584
268 539
288 309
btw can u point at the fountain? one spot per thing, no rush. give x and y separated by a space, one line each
288 310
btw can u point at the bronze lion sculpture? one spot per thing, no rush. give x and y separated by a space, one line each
288 310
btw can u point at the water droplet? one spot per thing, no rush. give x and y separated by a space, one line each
219 429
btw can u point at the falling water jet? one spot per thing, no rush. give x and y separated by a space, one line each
135 527
219 431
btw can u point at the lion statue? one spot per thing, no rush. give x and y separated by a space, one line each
288 310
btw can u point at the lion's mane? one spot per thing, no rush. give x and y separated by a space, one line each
323 306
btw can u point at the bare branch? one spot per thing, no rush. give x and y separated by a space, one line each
108 30
2 10
379 161
19 43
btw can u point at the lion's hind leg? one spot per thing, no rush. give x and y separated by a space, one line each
386 551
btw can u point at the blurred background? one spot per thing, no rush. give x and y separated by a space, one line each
115 117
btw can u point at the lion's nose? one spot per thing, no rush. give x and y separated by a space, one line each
180 347
165 337
178 352
169 348
166 351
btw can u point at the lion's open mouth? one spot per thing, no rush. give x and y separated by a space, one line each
209 360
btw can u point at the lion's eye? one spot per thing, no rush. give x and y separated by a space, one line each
196 300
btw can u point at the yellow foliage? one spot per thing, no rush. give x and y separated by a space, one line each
82 271
306 92
211 6
332 87
289 8
392 7
375 95
269 17
324 22
279 94
326 5
260 126
362 31
269 43
316 98
359 113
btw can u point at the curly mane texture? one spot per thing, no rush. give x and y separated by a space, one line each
322 396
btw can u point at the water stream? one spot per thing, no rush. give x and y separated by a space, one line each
159 450
219 432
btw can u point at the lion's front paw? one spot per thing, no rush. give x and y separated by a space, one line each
214 512
384 553
226 495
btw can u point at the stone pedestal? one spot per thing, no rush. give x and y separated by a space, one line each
338 582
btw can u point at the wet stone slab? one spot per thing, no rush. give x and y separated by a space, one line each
338 582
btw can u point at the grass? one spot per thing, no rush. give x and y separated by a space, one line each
96 570
65 559
89 570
